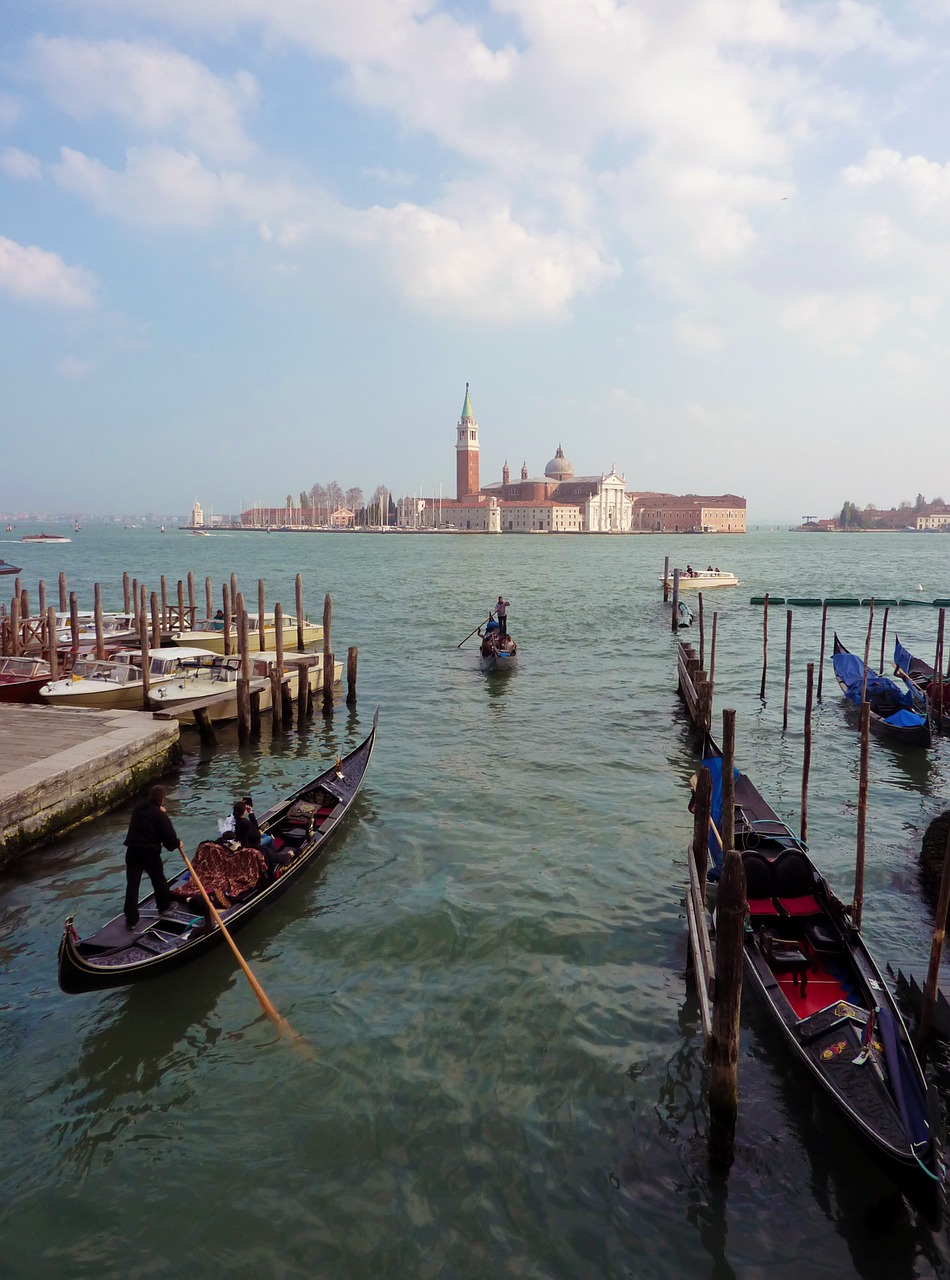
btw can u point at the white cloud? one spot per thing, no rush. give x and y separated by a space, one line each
36 275
9 110
17 164
845 321
154 90
73 367
490 268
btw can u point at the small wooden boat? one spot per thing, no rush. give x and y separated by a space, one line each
824 992
702 579
922 676
8 568
497 653
22 678
116 956
900 715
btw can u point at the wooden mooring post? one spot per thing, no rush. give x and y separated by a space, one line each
788 665
857 907
63 606
261 638
73 623
884 636
328 663
244 680
702 634
674 612
806 756
226 611
298 604
156 622
352 656
277 670
666 580
867 652
143 644
97 622
821 655
52 656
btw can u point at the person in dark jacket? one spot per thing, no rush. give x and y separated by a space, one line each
150 831
248 832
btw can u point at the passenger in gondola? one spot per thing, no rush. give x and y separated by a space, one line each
248 833
150 831
488 644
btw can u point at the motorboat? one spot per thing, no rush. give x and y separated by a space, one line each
702 579
215 677
210 634
8 568
115 682
21 678
45 537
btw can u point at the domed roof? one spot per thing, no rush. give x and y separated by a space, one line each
559 468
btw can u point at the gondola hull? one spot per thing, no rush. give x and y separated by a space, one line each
116 956
825 994
917 734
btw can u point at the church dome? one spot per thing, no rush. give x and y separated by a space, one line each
559 468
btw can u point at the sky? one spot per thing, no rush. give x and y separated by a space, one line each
247 246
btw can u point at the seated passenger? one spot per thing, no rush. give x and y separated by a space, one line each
247 831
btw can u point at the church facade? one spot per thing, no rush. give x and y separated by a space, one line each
556 502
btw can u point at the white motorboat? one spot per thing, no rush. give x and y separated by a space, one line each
213 675
45 537
210 634
116 682
702 579
117 629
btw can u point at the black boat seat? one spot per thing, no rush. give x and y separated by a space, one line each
784 955
795 884
760 883
821 939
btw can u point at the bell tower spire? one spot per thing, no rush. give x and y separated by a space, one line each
466 446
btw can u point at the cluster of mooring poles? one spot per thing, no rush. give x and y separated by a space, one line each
718 969
149 618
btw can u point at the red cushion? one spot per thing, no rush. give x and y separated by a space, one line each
762 907
806 905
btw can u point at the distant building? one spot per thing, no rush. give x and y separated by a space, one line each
935 520
197 515
690 513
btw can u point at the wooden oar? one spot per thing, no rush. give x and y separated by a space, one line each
478 628
281 1023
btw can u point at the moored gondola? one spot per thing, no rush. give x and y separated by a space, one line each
824 992
900 715
116 956
923 677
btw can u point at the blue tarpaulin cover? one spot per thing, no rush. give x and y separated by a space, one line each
888 700
714 765
902 657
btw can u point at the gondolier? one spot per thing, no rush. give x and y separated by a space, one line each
150 830
501 613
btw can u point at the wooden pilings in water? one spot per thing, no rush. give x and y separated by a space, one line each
694 687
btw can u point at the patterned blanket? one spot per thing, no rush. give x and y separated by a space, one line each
225 873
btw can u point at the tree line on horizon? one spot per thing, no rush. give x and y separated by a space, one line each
322 500
871 517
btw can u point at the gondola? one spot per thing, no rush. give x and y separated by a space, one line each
497 653
921 675
824 992
898 714
116 956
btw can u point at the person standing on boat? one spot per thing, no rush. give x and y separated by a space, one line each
150 830
501 613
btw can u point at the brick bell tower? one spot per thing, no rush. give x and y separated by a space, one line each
466 455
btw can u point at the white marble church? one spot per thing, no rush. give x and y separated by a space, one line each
556 502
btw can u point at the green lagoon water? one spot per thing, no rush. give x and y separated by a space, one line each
508 1076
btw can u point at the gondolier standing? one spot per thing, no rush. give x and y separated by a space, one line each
501 613
150 830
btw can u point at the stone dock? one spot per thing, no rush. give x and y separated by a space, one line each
60 766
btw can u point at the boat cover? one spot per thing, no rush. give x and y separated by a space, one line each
888 700
714 765
903 658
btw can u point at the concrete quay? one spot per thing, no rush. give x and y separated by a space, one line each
61 766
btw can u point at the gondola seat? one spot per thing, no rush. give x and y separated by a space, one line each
760 884
785 955
795 884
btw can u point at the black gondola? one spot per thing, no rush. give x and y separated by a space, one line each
923 677
826 995
116 956
900 715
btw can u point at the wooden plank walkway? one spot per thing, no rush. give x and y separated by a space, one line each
61 766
